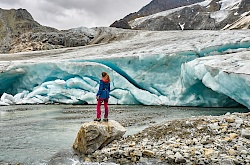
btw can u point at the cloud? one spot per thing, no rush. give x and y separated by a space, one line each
65 14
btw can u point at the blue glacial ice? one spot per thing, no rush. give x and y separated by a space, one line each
194 73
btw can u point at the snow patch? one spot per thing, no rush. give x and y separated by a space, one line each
220 15
230 4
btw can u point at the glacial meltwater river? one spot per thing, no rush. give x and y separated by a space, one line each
32 134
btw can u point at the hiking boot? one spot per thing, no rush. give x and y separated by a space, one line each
97 119
105 119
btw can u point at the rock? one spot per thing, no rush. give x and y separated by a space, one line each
96 135
143 160
239 121
148 153
170 158
210 153
123 161
169 152
87 159
244 152
245 133
214 127
189 124
179 158
137 153
228 139
230 120
231 152
227 162
233 135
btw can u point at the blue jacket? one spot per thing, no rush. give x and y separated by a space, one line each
104 89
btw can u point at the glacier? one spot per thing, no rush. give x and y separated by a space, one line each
174 68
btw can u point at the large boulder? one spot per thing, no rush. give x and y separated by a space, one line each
96 135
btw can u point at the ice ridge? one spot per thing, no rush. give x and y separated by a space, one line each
222 49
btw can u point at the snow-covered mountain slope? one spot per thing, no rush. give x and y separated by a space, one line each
206 15
155 6
150 68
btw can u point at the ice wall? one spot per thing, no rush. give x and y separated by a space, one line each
226 74
175 78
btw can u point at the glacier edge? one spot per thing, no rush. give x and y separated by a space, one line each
156 72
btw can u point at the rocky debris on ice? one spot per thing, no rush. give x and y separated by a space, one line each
96 135
204 140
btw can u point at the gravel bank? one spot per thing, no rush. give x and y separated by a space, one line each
198 140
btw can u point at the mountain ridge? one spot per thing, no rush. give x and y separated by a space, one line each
202 15
153 7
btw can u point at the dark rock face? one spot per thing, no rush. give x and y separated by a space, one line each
244 6
23 14
214 6
121 24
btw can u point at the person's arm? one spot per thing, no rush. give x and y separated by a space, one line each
109 87
100 88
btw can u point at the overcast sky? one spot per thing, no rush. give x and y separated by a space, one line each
66 14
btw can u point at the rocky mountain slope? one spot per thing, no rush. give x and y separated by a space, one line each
195 15
153 7
15 25
19 32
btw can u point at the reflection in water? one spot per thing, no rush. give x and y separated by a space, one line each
32 134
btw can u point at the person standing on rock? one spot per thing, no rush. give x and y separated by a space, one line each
103 96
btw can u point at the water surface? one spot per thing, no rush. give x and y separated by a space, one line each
32 134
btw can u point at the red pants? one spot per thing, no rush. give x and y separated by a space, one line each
98 108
